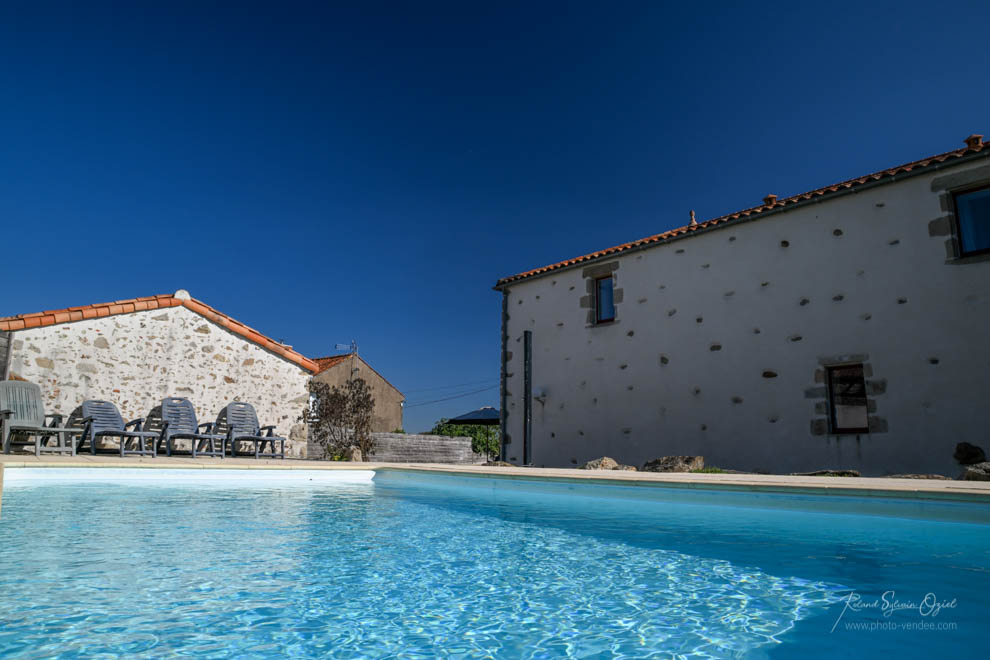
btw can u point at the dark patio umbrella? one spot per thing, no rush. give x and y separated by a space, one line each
486 416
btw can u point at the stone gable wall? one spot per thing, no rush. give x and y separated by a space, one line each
135 360
387 415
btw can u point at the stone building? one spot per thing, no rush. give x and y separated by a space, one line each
338 369
840 328
136 352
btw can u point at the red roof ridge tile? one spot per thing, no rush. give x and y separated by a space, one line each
771 202
99 310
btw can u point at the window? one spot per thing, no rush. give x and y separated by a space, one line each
604 300
973 216
847 399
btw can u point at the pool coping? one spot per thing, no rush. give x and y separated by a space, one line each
969 491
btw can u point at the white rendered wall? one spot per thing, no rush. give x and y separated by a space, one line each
881 289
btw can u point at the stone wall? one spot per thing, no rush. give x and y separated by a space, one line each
410 448
137 359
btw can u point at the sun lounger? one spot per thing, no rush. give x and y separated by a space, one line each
239 423
23 415
101 419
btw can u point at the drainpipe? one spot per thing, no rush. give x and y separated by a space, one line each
528 397
503 413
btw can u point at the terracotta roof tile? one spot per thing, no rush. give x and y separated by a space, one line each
52 317
324 363
974 146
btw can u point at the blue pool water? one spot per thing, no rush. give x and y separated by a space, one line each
420 566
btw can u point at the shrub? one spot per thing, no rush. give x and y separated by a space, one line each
340 417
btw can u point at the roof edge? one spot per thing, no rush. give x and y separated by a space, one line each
149 303
889 175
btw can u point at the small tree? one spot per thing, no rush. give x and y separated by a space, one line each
340 417
484 439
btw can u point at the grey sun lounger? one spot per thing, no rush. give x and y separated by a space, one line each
239 423
101 419
23 414
178 422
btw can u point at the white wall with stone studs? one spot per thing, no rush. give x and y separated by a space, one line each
137 359
721 340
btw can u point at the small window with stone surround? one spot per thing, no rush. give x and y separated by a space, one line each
973 221
964 222
603 296
848 411
846 395
604 300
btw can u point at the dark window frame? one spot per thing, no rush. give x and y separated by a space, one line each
599 319
958 220
834 428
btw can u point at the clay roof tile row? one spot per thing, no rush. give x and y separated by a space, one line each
324 363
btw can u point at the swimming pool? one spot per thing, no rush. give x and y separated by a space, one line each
227 563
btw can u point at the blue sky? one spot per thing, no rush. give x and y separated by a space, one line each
334 173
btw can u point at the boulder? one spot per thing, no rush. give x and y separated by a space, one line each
827 473
977 472
603 463
967 454
675 464
919 476
354 454
627 468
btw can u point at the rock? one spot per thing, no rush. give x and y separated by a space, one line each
498 464
977 472
627 468
967 454
603 463
675 464
919 476
354 454
827 473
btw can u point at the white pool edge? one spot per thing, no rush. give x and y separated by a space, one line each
22 477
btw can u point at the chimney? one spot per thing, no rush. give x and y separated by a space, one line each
975 140
693 220
770 200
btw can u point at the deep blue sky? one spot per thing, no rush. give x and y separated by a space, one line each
328 174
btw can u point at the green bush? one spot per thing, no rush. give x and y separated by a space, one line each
484 439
